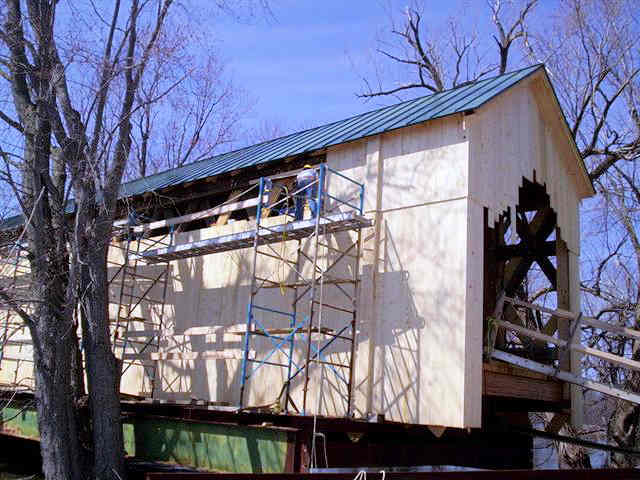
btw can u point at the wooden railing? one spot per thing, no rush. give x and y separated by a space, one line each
565 346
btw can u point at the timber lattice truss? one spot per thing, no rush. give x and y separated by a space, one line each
532 336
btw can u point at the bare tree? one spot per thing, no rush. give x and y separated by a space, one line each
452 58
594 61
92 85
591 52
75 142
595 67
613 293
194 120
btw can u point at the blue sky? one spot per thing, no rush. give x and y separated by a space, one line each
303 67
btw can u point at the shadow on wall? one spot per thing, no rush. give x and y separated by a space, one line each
206 307
396 336
417 317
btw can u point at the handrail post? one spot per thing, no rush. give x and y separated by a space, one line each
260 202
321 186
245 358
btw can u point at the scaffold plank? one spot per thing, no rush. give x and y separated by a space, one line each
280 331
290 231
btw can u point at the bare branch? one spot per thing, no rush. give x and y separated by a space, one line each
11 122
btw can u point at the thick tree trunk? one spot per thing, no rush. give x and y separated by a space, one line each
59 444
624 422
54 335
623 428
103 371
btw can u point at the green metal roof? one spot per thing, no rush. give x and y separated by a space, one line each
384 119
378 121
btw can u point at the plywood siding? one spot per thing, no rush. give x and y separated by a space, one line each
414 360
519 135
513 137
207 309
414 363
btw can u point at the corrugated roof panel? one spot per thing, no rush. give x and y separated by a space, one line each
404 114
436 103
384 119
375 122
452 104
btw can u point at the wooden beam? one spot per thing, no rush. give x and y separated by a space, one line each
515 386
507 252
514 317
224 217
609 327
562 288
275 192
490 290
609 357
548 269
567 315
211 212
508 369
566 376
535 241
559 312
541 226
532 333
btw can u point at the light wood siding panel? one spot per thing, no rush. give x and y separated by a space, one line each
418 358
511 137
207 302
474 301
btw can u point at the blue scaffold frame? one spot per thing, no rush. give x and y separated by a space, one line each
300 329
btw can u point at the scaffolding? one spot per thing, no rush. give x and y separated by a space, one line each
326 256
137 337
308 286
16 281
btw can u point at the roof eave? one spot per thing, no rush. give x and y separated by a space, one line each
589 189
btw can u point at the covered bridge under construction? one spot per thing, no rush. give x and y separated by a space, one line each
401 300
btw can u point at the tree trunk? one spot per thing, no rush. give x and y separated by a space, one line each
623 428
624 422
62 456
103 369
